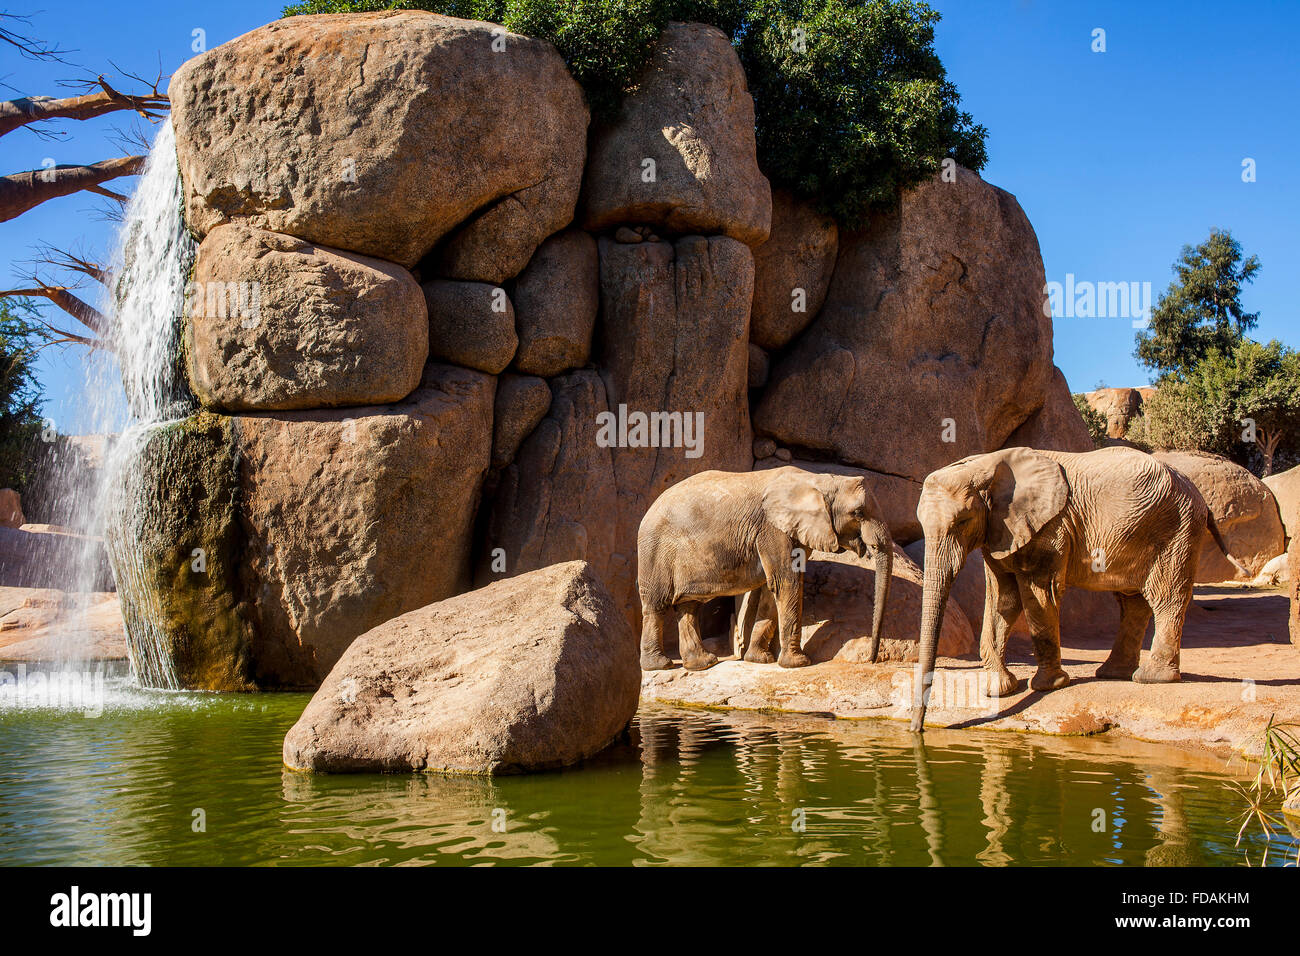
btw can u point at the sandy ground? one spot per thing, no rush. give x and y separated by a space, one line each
1238 668
39 624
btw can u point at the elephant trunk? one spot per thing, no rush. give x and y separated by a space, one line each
880 543
942 561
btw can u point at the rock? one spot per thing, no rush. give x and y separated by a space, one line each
277 323
934 328
352 518
764 448
532 673
783 454
792 270
555 303
1273 574
40 624
897 497
1285 486
174 540
690 113
558 501
675 334
1118 406
1243 508
521 402
1293 589
335 128
624 234
1057 426
11 509
470 324
1084 614
46 556
837 609
758 366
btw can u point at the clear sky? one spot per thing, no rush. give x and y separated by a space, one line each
1119 158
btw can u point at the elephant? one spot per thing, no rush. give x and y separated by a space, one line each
1115 519
721 534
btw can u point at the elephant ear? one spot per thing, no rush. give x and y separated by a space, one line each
1027 491
799 509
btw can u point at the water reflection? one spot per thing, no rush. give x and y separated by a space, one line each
196 779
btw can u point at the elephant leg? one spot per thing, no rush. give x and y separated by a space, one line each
1161 664
653 657
758 613
789 617
1134 615
1002 606
1044 616
694 656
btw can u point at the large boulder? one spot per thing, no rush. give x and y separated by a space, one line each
838 598
11 509
351 518
277 323
531 673
1285 486
1243 508
934 342
792 270
380 133
1118 406
691 116
675 333
558 500
1057 426
555 301
521 403
471 324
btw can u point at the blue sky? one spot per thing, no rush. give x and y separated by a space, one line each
1118 158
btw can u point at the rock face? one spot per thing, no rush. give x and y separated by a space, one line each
532 673
277 323
674 327
11 509
555 300
792 271
1057 426
352 131
941 301
837 609
1118 406
1243 508
471 324
354 517
558 501
680 154
1285 486
521 403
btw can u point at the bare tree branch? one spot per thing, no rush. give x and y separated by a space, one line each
20 192
57 258
30 47
63 297
24 111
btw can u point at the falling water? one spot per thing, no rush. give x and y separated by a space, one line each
132 389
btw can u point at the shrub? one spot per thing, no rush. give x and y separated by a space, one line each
20 392
1094 419
852 104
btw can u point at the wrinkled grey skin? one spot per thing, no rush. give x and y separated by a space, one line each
1108 520
720 534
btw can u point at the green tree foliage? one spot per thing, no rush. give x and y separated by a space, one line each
1201 310
20 393
1094 419
1244 404
852 104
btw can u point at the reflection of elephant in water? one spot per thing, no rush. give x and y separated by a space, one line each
1109 520
719 534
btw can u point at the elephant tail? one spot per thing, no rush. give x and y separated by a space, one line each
1218 539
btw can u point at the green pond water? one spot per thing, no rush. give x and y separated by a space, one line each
196 779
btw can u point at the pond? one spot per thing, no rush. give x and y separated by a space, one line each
196 779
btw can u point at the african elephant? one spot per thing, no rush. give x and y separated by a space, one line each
720 534
1108 520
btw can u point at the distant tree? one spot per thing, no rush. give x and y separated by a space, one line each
1094 419
21 334
1201 310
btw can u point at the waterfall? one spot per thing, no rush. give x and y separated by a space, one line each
133 389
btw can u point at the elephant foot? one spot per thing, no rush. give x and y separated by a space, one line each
1155 673
1052 679
793 659
1116 670
1002 684
657 661
759 656
699 662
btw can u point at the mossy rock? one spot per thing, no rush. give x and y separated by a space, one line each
174 544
